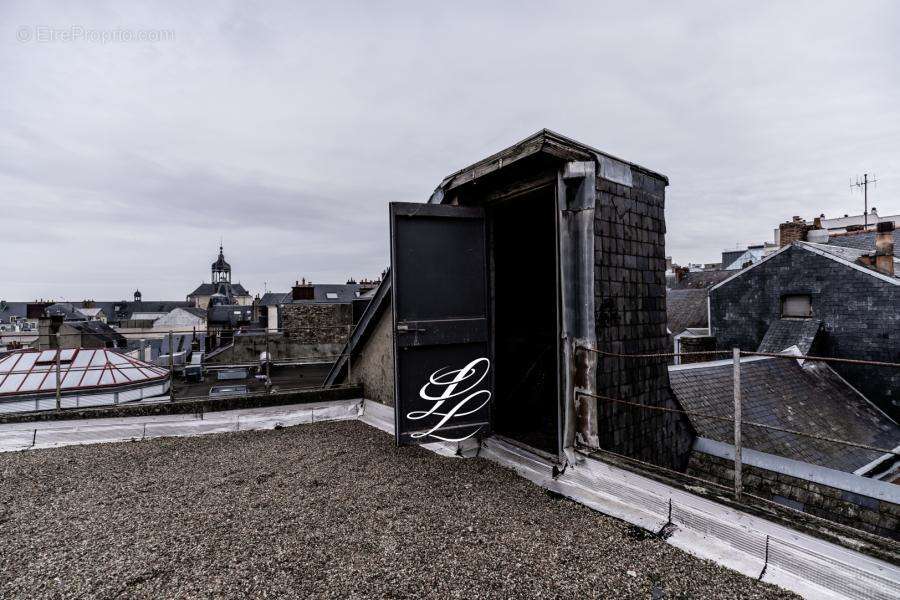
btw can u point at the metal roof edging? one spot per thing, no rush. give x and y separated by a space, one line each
847 482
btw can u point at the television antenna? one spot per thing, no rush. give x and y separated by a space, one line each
864 184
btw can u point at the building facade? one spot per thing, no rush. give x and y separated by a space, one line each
858 305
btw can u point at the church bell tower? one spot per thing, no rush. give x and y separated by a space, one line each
221 270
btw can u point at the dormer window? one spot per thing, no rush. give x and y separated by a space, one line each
796 306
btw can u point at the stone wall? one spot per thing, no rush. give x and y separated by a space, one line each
182 407
313 323
861 316
247 348
630 305
861 512
373 366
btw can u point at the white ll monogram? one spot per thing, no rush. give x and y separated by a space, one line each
447 388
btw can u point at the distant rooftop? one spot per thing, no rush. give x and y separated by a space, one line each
700 279
863 240
779 392
686 308
342 293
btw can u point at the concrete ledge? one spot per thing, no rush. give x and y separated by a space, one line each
847 482
188 406
53 434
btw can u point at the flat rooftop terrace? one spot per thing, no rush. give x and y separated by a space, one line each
324 510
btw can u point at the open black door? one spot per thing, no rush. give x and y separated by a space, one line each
443 381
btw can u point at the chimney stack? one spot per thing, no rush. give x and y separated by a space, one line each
792 231
303 290
884 247
680 272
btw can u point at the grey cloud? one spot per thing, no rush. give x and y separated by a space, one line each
288 127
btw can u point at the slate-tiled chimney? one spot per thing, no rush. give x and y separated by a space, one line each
884 247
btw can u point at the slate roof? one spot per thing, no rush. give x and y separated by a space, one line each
849 254
344 293
115 310
784 333
208 289
274 298
12 309
221 264
844 255
686 308
729 256
123 310
863 241
196 311
67 310
782 393
701 279
100 330
750 255
232 314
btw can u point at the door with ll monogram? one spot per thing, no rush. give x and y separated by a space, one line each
442 364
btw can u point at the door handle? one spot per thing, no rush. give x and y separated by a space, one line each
403 328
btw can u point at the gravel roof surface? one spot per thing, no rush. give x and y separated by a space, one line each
329 510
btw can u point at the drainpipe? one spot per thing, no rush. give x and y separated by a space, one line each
576 199
58 377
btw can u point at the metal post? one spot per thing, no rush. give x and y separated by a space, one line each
268 362
58 378
349 355
171 367
737 424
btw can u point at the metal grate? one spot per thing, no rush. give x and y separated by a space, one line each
829 573
738 537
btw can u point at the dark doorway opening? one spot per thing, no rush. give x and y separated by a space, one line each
524 277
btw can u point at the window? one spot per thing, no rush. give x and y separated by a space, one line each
796 306
331 295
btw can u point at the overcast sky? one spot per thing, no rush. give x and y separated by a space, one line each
286 129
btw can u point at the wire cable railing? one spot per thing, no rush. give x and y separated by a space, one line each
885 458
